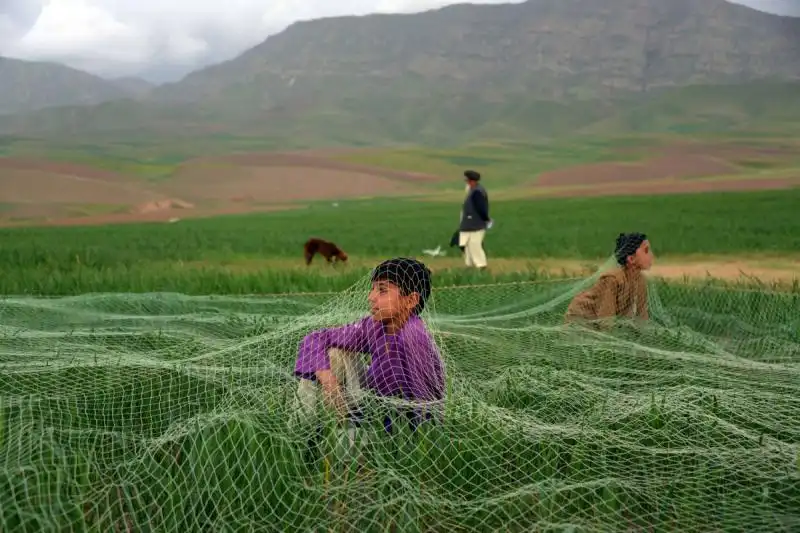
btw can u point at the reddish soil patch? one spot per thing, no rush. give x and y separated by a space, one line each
235 183
32 211
162 205
63 168
249 180
38 186
242 183
685 166
722 150
48 188
308 161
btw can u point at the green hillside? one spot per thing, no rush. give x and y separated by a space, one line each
31 85
151 142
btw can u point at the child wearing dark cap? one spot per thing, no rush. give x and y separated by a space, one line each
405 362
621 291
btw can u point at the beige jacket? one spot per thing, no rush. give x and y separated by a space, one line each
619 292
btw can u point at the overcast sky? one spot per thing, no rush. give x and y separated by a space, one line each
164 39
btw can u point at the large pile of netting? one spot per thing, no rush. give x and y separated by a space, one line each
164 412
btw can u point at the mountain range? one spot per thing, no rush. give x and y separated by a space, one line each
32 85
547 65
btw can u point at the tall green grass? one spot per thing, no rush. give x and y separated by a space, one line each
644 430
165 412
200 256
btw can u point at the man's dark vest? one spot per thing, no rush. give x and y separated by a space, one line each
470 219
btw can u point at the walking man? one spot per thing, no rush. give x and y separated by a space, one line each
474 221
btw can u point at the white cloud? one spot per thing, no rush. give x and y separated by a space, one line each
63 30
779 7
125 37
16 18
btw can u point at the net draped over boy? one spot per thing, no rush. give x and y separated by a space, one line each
405 362
621 292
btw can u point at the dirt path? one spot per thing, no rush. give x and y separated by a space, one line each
778 270
733 270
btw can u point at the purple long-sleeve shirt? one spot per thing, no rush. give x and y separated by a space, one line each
405 365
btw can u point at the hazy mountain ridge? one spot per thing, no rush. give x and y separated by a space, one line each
136 87
33 85
547 49
491 69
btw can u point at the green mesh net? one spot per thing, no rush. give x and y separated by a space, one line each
164 412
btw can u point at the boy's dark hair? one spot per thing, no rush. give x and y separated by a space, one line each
627 244
409 275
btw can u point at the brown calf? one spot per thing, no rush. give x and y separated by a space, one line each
326 249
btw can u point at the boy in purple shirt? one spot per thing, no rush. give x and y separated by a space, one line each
405 362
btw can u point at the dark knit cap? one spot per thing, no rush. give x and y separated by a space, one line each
627 244
472 175
409 275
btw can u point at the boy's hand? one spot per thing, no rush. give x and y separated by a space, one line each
332 393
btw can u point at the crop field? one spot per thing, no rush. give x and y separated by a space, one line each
152 389
146 413
262 253
82 184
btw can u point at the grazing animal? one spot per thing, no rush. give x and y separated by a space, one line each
326 249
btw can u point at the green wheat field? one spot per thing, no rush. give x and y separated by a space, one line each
146 377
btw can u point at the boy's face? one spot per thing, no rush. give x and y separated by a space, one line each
388 304
643 258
